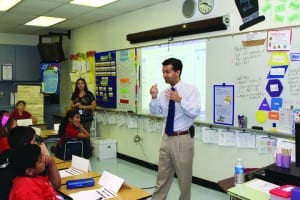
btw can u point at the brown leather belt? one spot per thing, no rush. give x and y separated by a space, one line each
177 133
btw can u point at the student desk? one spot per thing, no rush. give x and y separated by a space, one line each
245 192
57 160
125 193
48 133
42 126
63 165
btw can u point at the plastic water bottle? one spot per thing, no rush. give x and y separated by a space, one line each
239 173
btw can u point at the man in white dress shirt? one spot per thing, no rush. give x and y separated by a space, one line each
177 147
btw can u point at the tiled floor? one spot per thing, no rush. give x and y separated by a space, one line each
145 178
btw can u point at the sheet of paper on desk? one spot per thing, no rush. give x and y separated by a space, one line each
102 193
69 172
111 181
37 130
81 163
261 185
24 122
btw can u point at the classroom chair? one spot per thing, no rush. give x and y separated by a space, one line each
71 147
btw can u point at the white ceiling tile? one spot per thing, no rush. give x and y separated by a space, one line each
77 16
69 11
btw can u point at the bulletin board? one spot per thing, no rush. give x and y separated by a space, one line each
106 79
128 79
246 64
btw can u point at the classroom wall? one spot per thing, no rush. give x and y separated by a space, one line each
19 39
111 35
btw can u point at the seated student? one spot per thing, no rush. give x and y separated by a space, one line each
6 124
21 113
28 164
18 137
71 127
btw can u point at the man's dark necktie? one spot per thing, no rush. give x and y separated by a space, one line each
170 118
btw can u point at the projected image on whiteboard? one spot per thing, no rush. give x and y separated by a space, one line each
193 57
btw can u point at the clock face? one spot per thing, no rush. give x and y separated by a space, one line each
205 6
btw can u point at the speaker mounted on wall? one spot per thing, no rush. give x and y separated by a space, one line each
202 26
188 8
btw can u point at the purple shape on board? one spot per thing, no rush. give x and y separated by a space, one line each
274 87
264 105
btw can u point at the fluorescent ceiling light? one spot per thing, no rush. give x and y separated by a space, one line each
7 4
44 21
92 3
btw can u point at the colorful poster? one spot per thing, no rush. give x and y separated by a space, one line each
224 104
50 73
279 40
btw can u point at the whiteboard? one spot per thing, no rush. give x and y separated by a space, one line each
228 61
193 57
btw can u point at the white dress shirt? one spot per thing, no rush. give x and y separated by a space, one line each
185 111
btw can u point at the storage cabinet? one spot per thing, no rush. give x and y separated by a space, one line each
7 55
26 68
27 64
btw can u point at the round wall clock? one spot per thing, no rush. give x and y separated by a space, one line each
205 6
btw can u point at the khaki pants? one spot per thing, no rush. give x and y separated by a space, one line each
175 156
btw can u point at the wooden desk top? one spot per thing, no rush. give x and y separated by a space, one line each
57 160
42 126
125 193
47 133
63 165
59 115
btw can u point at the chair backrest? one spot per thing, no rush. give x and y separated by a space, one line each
72 147
6 175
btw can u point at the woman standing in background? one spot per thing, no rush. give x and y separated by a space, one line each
84 101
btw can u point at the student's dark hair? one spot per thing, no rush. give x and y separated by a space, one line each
76 90
21 101
62 127
176 63
20 136
3 112
24 157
